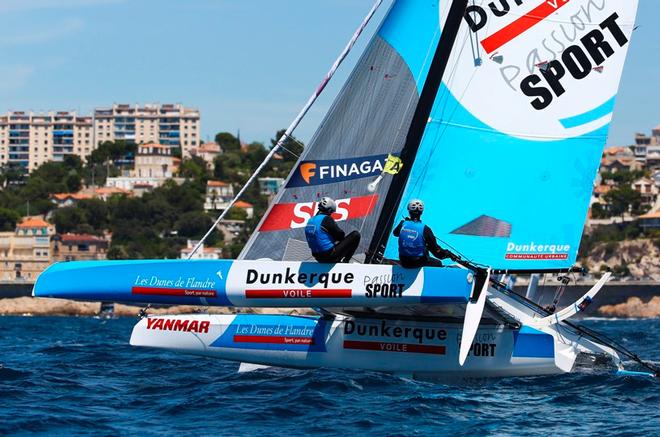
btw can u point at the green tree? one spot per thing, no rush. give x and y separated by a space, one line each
73 182
624 177
8 219
193 168
96 214
622 200
598 211
228 142
236 214
193 224
11 175
69 219
256 153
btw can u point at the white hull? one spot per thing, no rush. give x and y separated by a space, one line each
423 349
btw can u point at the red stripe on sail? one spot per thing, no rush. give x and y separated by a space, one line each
285 216
521 25
173 292
306 293
272 339
394 347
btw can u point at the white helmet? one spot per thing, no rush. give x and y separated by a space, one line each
326 204
415 206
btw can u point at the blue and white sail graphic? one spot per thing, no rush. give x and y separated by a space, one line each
513 144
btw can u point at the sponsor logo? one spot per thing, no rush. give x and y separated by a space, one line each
384 286
384 290
292 278
533 251
484 345
285 216
310 173
178 325
578 60
274 333
190 287
394 347
307 293
276 339
307 170
415 339
477 18
540 54
278 334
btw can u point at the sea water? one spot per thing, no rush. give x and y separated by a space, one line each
72 376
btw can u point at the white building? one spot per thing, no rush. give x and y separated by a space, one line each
170 125
154 165
207 151
202 252
218 195
28 140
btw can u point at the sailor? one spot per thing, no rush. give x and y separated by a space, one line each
416 240
329 244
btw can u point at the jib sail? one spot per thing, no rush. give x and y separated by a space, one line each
368 121
513 144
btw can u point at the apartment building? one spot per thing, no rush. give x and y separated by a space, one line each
27 140
78 247
169 125
25 253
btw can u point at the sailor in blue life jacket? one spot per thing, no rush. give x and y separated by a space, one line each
329 244
416 240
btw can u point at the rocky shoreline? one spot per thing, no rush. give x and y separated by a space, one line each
34 306
633 308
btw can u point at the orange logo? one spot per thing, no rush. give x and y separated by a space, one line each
307 170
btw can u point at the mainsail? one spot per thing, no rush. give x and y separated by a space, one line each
514 141
368 121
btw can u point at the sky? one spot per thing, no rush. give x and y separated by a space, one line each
248 65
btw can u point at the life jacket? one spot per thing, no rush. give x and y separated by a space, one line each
317 238
411 240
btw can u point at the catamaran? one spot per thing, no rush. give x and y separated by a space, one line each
496 114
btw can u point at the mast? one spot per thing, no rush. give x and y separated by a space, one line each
417 127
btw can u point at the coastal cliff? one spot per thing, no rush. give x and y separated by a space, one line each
636 259
633 308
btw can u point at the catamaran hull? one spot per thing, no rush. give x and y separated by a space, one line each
411 348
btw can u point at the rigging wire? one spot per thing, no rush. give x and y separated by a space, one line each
294 124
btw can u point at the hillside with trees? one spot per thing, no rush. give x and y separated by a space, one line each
157 224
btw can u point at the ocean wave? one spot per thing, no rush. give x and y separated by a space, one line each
90 381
